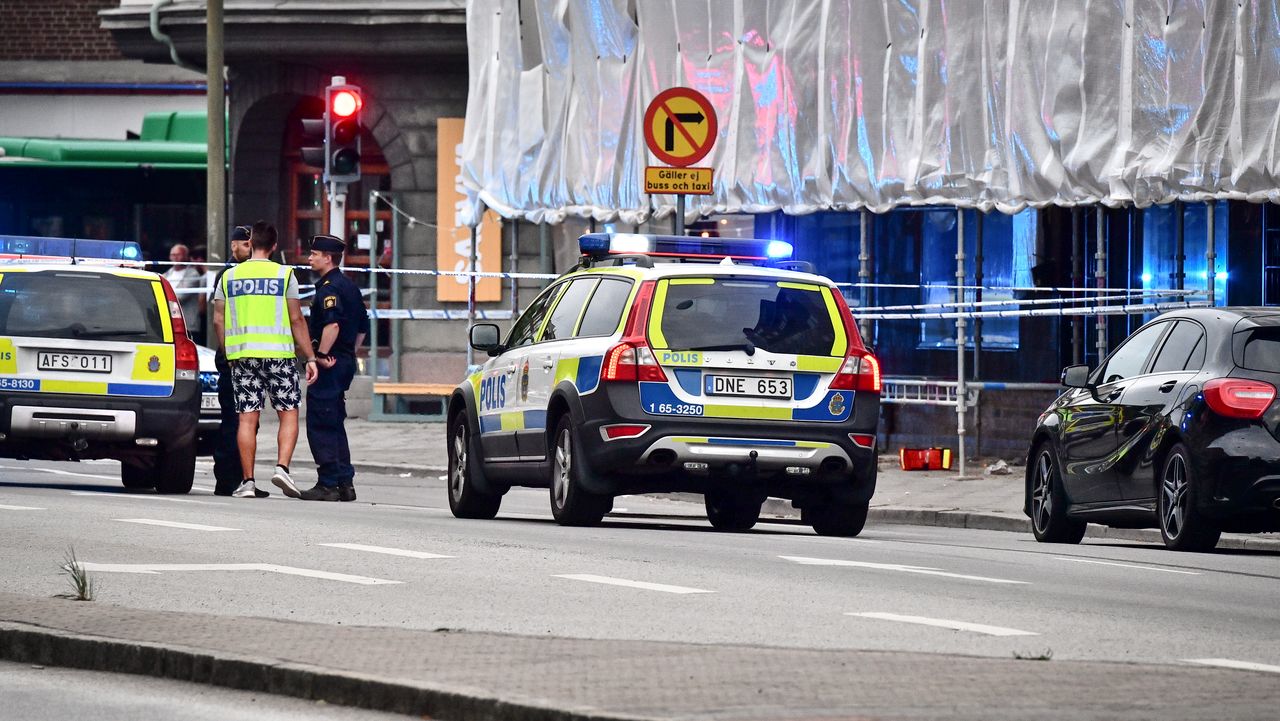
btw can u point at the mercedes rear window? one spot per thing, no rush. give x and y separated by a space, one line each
733 314
78 306
1258 349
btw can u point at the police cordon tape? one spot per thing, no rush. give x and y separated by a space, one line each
858 313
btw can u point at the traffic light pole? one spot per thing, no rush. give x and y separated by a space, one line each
338 210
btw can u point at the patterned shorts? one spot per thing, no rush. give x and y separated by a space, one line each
252 377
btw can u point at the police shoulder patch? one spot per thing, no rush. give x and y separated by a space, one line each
330 302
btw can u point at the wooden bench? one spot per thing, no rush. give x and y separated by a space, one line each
433 405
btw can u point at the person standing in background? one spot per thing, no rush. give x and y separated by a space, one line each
186 278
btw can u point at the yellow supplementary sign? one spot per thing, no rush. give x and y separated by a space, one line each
453 241
690 181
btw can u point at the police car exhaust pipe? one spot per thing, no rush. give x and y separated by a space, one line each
148 442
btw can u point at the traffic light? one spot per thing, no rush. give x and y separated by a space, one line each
342 133
312 150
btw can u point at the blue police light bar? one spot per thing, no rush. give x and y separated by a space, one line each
32 248
602 245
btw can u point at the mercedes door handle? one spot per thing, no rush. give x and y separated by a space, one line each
1168 386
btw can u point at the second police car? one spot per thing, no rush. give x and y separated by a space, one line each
666 364
95 361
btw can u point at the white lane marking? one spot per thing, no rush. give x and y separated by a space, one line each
1230 663
145 497
923 570
21 508
174 524
1126 565
155 568
631 584
944 623
202 488
385 550
60 472
411 508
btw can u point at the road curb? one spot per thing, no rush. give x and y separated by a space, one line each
23 643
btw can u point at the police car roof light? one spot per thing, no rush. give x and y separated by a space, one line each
601 245
36 248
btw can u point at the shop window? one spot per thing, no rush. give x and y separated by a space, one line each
1008 243
1159 246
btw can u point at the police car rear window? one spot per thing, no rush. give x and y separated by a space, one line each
79 306
723 314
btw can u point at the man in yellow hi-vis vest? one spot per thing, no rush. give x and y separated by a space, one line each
258 320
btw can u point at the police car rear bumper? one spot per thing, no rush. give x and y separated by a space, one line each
677 453
59 426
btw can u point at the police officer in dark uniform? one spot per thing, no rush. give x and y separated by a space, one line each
338 323
226 453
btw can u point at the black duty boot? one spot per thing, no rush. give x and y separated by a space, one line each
346 492
320 493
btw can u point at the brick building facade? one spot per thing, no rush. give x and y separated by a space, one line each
56 30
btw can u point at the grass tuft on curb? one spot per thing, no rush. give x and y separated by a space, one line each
82 585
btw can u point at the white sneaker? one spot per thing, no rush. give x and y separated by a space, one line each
285 483
246 490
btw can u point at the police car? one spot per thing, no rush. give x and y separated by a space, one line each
95 361
666 363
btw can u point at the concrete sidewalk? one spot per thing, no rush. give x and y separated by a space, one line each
465 676
930 498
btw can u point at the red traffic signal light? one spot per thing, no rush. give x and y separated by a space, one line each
346 103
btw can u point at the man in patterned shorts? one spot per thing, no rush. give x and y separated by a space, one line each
258 320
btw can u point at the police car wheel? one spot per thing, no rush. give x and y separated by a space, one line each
571 504
175 469
465 467
135 476
729 511
837 519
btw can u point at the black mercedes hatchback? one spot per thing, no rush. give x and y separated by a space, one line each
1178 429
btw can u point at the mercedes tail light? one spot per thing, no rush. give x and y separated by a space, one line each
186 358
1239 397
631 359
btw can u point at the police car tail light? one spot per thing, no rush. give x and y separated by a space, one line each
860 372
631 360
186 358
619 431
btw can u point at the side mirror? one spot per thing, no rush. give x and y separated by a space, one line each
1075 376
485 337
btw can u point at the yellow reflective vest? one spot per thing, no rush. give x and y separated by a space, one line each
255 313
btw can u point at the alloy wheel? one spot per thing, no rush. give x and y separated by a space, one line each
1173 509
1042 493
458 476
563 463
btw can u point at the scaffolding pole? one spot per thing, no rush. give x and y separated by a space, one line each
397 327
471 298
960 340
1179 247
864 272
1100 276
1211 256
1077 280
514 260
373 291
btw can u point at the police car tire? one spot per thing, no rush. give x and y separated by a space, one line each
837 519
729 511
468 501
578 507
175 469
134 476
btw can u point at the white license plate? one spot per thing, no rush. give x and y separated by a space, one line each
78 362
756 386
209 401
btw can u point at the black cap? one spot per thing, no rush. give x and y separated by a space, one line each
240 232
328 244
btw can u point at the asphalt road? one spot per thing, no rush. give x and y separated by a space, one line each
37 693
655 570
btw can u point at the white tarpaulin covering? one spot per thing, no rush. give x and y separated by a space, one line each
848 104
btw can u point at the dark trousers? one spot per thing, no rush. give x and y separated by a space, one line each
226 453
326 418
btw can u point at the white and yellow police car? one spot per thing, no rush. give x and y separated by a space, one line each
666 363
95 361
